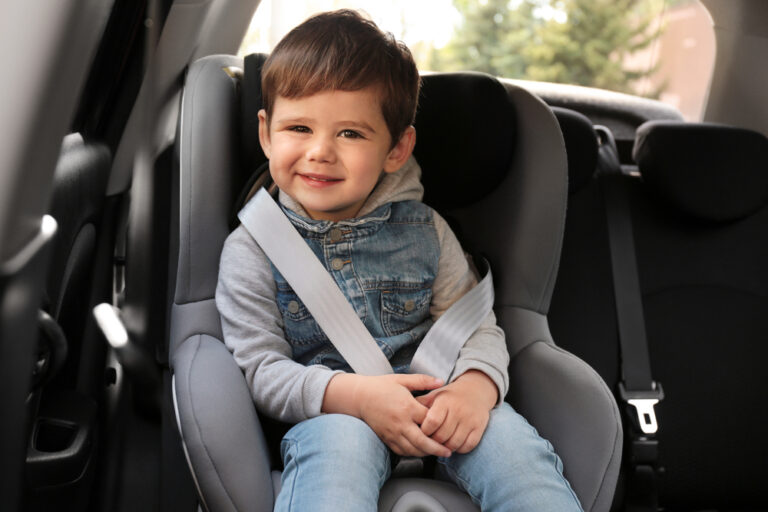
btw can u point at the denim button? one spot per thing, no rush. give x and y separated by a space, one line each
335 235
293 307
337 263
409 305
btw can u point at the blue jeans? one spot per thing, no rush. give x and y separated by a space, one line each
336 462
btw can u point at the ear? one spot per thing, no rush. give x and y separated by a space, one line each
399 154
264 132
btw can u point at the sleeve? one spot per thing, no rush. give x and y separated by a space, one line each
486 349
253 331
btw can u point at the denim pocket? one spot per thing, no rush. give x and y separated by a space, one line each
404 309
299 325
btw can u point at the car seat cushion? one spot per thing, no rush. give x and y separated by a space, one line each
458 147
709 171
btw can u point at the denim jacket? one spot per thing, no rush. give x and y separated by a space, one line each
398 263
385 264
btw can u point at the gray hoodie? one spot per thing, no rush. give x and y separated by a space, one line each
252 324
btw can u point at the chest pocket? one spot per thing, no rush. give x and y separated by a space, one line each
404 309
299 326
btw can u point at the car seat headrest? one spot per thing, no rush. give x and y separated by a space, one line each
580 146
709 171
465 137
250 104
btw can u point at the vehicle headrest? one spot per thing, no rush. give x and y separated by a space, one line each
580 146
465 137
250 104
710 171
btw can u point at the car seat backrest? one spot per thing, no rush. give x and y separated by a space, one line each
701 218
471 143
699 212
580 147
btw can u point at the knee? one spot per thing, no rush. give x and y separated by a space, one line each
509 439
337 436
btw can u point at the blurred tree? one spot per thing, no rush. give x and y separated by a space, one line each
490 38
591 47
584 42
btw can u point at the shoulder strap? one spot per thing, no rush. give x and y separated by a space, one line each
283 245
637 388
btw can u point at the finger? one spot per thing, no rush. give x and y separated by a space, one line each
418 381
458 438
428 399
473 439
418 412
424 443
447 429
407 449
434 420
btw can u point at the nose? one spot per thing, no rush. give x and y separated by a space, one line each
321 150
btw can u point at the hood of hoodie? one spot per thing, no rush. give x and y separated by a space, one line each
401 185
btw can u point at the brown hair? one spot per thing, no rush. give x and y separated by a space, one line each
341 50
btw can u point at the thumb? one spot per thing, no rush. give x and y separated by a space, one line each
419 381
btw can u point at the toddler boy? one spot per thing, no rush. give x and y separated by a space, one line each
339 99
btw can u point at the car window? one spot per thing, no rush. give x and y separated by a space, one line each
660 49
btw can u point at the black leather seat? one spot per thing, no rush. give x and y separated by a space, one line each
494 165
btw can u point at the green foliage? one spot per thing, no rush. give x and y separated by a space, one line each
489 39
585 42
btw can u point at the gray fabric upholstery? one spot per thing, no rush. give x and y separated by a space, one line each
569 404
207 154
559 394
393 495
548 386
218 423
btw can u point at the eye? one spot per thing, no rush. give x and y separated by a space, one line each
351 134
299 129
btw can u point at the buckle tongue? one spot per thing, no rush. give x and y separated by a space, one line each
644 402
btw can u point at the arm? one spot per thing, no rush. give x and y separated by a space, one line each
290 391
486 349
253 332
459 412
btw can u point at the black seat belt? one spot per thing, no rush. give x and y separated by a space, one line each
639 392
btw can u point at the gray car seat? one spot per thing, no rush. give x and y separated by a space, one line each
494 165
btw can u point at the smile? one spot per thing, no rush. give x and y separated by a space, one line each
319 180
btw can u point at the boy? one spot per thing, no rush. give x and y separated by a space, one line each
340 97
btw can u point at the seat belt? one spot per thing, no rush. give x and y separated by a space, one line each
284 246
637 388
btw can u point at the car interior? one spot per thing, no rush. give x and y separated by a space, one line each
628 247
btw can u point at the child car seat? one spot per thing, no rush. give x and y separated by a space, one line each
494 165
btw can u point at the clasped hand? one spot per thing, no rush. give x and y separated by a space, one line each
448 419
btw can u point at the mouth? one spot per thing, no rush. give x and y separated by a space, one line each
319 179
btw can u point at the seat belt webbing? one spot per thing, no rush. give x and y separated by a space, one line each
440 348
637 388
284 246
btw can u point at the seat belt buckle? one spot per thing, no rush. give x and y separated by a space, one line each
644 403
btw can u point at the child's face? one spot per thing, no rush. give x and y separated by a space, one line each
328 150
